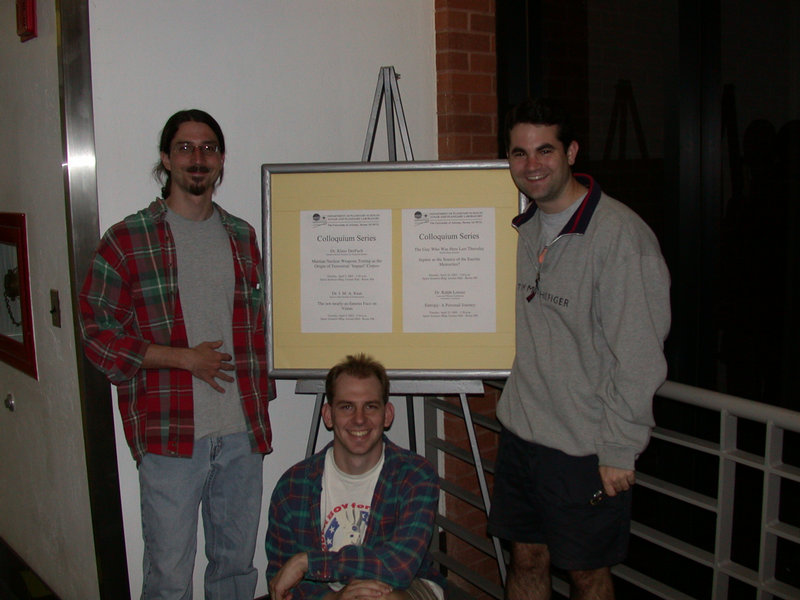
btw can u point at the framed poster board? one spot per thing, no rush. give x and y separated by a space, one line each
413 263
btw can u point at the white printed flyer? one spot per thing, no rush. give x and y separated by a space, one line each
346 271
449 270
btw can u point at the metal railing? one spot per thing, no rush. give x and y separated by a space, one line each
716 506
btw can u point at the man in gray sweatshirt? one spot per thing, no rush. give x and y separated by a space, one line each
592 313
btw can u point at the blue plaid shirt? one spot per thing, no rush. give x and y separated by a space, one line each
395 548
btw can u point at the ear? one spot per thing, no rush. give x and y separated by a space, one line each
327 417
572 152
165 161
388 415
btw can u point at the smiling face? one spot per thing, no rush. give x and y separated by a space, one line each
540 165
358 416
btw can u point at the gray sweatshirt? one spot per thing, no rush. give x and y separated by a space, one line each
589 333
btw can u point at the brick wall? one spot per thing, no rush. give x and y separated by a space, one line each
466 67
466 80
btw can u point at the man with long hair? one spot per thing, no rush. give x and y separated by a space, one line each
173 313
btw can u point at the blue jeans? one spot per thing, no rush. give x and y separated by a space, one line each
224 477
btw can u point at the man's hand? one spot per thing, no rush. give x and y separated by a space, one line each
203 361
616 480
209 365
360 589
289 576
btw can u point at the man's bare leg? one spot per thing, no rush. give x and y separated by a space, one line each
529 572
592 585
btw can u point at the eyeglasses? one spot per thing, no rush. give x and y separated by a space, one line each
188 149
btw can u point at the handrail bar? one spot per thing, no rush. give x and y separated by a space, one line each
741 407
718 567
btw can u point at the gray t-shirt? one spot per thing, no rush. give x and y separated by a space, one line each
206 282
553 223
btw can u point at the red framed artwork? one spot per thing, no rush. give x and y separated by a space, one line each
16 321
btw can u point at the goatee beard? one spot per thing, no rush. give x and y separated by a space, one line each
197 188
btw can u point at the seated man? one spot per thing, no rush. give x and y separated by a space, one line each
355 520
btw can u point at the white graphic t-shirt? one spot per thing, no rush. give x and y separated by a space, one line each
345 506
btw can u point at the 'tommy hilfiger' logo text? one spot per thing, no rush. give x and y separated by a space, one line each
543 296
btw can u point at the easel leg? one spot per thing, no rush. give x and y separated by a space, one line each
476 457
314 431
412 425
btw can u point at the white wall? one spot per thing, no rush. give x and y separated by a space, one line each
289 81
44 501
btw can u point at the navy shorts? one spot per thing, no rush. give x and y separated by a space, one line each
544 496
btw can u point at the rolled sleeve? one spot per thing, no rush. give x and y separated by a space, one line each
106 317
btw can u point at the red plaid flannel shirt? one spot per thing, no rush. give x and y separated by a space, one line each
130 300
